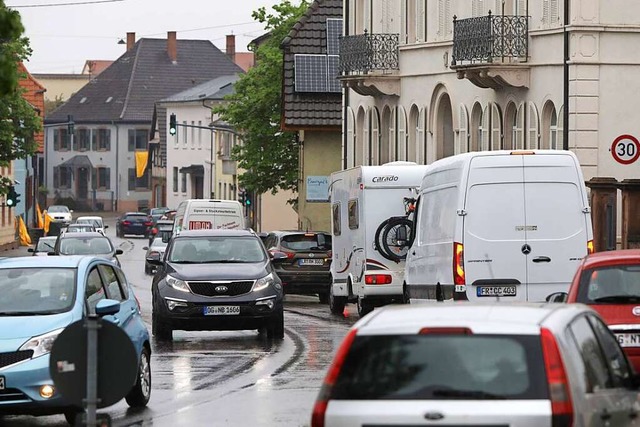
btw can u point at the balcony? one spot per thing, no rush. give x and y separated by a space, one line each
491 51
369 64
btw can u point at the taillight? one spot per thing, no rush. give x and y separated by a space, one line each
559 392
289 255
126 222
445 331
590 248
378 279
458 264
322 401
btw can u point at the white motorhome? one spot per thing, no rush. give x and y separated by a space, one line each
499 225
365 270
204 214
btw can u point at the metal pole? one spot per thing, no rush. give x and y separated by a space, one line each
92 323
565 111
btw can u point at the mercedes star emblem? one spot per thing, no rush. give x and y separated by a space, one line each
526 249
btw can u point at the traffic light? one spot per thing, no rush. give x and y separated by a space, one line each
247 199
12 197
242 197
173 127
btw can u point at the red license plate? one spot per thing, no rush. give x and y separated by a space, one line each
200 225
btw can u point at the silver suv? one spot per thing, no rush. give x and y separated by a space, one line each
476 364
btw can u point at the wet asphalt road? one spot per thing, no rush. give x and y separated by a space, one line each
235 378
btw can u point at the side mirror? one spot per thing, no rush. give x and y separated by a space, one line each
105 227
558 297
106 307
145 248
402 235
166 238
31 250
119 252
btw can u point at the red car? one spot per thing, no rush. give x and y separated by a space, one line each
609 282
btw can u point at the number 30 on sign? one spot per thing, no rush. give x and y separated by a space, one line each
625 149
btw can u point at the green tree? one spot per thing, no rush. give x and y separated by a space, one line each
269 155
18 119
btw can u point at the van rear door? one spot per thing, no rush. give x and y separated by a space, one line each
493 229
556 222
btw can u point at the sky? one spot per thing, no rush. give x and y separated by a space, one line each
64 37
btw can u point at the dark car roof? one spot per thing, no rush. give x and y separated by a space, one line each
217 232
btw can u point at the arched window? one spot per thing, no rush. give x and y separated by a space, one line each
375 137
422 137
475 131
402 133
359 145
350 160
549 131
393 138
533 123
510 124
463 130
385 148
413 134
519 125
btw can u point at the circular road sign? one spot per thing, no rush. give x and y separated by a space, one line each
117 363
625 149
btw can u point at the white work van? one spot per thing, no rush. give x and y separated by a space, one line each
206 214
367 265
499 225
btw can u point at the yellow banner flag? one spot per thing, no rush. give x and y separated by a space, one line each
142 157
39 215
47 221
25 239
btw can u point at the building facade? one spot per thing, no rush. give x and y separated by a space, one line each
441 77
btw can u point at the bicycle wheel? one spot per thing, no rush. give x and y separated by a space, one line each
377 243
393 249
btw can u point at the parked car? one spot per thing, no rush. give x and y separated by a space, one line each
134 223
40 297
304 266
90 243
44 246
60 213
216 280
478 364
157 213
609 282
154 251
79 228
96 221
163 228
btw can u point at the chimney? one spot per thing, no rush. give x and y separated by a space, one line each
172 46
231 47
131 40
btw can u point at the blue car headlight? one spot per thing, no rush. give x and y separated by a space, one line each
177 284
42 343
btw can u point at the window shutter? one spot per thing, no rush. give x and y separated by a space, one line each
404 31
486 122
94 139
545 12
519 142
393 140
385 17
441 18
554 16
498 8
132 139
350 139
402 134
107 136
522 8
375 137
533 126
107 179
94 178
496 127
56 177
420 21
448 18
56 140
463 130
132 179
475 8
420 137
367 16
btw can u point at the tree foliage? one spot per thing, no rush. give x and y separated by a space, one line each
18 119
269 155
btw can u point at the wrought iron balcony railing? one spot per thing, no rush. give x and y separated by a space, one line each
368 52
491 38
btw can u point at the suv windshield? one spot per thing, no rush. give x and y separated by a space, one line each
217 249
443 367
615 284
85 246
58 209
33 291
305 242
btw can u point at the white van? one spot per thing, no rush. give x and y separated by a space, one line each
363 199
500 225
206 214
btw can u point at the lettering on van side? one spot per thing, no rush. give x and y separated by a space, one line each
526 228
479 260
213 211
386 178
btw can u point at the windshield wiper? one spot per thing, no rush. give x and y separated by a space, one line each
472 394
185 262
618 298
24 313
225 261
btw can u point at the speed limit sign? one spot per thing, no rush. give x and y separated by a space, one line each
625 149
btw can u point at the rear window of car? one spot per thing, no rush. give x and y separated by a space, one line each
614 284
442 367
305 242
136 218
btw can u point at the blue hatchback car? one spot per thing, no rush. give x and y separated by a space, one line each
39 297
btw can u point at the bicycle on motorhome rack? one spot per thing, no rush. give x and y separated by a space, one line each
388 241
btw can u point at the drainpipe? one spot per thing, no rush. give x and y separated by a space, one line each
346 95
565 111
115 207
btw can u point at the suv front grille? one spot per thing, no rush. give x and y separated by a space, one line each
215 289
12 357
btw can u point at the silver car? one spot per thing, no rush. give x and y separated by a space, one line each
479 364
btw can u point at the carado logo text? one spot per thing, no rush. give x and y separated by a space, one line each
388 178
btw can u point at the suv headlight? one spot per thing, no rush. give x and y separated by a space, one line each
263 282
42 343
177 284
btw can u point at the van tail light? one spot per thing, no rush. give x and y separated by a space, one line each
590 248
559 392
458 264
322 401
378 279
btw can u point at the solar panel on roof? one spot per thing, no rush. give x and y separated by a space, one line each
310 73
334 32
333 72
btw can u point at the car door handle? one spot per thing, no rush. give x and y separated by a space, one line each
542 259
